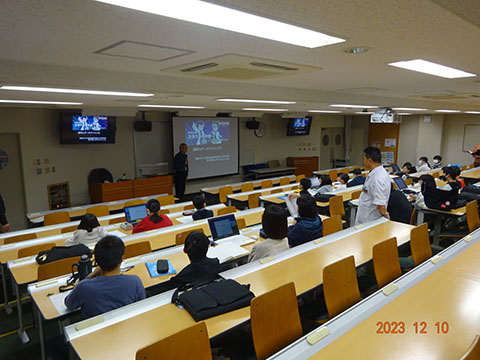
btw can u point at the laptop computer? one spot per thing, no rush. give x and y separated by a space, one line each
403 187
225 226
315 181
135 214
396 168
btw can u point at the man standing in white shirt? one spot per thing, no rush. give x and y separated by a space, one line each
373 201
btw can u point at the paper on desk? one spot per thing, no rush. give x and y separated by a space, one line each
58 301
185 219
226 251
292 206
117 233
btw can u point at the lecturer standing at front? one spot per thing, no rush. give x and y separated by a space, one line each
373 201
180 170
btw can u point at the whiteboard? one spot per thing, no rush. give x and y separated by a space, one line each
471 136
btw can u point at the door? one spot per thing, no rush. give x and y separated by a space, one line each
332 147
11 181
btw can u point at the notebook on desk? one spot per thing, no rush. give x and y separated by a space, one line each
222 227
135 214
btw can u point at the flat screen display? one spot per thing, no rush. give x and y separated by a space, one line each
299 126
87 129
223 226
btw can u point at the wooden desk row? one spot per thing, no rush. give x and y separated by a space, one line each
340 169
213 190
287 170
243 197
303 264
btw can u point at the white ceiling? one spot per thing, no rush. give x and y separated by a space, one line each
70 44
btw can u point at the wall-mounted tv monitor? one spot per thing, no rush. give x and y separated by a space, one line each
86 129
299 126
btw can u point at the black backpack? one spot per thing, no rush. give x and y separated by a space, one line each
62 252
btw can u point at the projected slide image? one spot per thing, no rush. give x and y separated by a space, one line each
89 123
206 132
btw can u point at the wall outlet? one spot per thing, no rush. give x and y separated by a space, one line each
47 170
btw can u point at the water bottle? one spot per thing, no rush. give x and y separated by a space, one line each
84 267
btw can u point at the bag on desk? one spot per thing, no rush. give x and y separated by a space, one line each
62 252
213 298
323 197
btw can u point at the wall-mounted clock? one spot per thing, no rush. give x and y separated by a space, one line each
262 129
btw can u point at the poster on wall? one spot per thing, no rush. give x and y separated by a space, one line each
388 157
391 143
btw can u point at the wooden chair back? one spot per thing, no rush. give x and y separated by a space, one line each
69 229
266 184
284 181
420 244
166 200
385 262
340 286
473 221
299 177
56 218
99 210
413 217
473 352
180 237
188 207
190 343
34 250
333 175
332 225
241 223
356 194
275 320
18 238
276 191
166 211
471 166
464 167
253 201
117 220
56 268
436 174
246 187
137 249
408 181
223 192
133 203
226 210
335 206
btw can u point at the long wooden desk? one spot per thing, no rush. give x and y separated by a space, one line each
303 265
213 190
429 172
471 175
326 171
243 197
287 170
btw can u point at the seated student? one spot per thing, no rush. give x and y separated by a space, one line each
308 225
89 231
358 179
399 207
275 228
201 206
153 220
343 179
439 199
325 184
305 184
105 289
437 162
450 174
423 164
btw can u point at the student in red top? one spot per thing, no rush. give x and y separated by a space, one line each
154 220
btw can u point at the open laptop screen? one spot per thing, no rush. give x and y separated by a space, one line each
223 226
396 168
135 213
400 183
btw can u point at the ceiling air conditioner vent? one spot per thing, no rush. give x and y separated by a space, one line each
272 66
200 67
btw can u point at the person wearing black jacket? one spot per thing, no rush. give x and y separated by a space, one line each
399 207
180 170
3 217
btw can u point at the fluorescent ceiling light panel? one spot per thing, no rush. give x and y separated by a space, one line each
73 91
408 109
257 101
204 13
261 109
364 112
324 111
354 106
172 106
472 112
448 111
40 102
431 68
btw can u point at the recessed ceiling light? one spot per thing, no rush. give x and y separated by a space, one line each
408 109
172 106
431 68
404 114
261 109
73 91
472 112
325 111
40 102
204 13
356 50
354 106
257 101
365 112
448 111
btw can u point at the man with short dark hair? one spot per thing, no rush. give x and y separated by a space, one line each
308 226
180 170
106 289
201 207
373 200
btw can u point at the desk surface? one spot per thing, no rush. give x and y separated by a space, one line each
471 174
272 170
237 186
326 171
143 329
244 196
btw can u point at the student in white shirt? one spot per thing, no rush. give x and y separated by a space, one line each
423 164
89 231
373 200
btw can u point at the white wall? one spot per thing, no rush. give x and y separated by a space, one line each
453 129
408 140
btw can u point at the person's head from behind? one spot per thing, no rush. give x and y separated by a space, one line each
422 160
307 207
153 206
88 222
183 148
437 159
305 184
274 222
109 253
325 180
427 182
357 172
371 157
196 246
199 202
343 178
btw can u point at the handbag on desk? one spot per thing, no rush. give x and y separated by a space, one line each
213 298
62 252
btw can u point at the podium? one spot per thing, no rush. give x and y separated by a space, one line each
305 165
121 190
